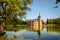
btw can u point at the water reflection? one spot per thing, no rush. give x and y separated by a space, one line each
46 33
2 38
53 29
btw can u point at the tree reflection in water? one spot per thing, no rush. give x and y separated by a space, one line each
53 29
3 38
27 34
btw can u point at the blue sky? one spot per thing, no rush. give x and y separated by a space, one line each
45 8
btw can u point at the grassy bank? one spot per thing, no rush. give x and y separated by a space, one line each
17 27
53 25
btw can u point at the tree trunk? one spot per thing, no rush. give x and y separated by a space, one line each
2 26
3 21
3 16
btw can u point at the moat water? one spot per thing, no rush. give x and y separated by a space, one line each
27 34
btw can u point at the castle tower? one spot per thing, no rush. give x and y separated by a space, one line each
39 22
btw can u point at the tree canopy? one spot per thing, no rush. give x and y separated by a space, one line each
57 1
10 9
13 6
53 21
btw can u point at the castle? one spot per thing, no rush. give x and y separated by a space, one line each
35 23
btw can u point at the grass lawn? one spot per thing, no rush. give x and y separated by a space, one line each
18 27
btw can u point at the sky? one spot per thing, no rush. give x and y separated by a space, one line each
45 8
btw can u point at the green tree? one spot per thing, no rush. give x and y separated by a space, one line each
54 21
13 8
57 1
47 21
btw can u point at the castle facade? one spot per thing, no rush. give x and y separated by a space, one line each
35 23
